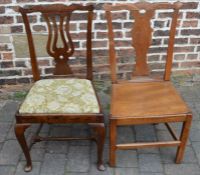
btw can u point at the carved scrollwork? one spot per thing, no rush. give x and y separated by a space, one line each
58 28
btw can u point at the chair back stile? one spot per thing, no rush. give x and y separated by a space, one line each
57 18
34 65
142 13
171 44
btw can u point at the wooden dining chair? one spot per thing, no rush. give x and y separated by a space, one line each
145 99
60 99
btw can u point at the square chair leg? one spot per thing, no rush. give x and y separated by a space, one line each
184 137
113 130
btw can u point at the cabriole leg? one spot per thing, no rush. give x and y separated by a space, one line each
99 131
19 132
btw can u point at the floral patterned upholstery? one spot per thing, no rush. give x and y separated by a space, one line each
61 96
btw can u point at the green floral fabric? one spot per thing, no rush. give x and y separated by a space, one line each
61 96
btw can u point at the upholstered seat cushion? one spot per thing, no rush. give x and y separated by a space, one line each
61 96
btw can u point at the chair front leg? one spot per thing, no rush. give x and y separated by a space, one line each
99 135
184 137
19 132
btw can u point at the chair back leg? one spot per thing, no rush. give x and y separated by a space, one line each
113 130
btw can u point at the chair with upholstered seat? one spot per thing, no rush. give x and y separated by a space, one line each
145 99
60 99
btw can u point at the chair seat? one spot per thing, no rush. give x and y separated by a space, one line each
61 96
146 99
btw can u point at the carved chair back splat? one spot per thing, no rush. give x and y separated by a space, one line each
142 100
141 33
57 18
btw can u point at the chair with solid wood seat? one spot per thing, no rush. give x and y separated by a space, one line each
145 99
63 98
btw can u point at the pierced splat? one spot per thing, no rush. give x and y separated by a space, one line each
141 39
57 17
60 30
59 43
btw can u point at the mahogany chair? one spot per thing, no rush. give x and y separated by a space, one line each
60 99
145 99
